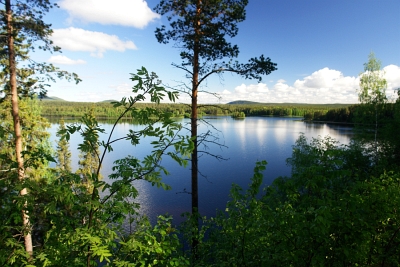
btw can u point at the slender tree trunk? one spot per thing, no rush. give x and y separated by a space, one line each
17 123
195 84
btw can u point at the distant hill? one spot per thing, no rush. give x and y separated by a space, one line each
108 101
52 98
243 102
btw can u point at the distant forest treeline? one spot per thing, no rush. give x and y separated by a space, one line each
350 114
106 109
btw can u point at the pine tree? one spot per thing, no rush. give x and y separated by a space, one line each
89 153
201 29
21 26
63 152
36 150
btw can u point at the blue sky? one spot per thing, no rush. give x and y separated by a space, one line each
320 47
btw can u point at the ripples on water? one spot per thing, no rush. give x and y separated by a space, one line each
245 142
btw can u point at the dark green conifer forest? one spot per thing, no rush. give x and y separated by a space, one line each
57 108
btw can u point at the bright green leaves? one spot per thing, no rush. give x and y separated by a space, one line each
99 210
98 250
372 84
150 85
235 236
78 218
331 212
63 152
376 119
151 246
257 179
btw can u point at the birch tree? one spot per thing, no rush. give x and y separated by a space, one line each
372 96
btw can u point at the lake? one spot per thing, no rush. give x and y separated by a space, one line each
245 142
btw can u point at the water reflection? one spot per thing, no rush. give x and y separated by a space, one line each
249 140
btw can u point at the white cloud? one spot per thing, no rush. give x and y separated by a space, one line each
322 86
322 78
122 89
241 89
335 88
327 86
281 87
251 89
392 75
63 60
96 43
133 13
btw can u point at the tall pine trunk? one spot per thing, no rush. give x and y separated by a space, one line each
17 122
194 117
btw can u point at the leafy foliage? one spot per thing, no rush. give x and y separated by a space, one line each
339 207
331 212
63 152
21 27
34 134
74 226
372 96
238 115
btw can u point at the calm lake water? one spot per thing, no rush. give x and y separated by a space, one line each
246 141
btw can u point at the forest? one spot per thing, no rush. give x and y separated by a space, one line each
57 108
339 207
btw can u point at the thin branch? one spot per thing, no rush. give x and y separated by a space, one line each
182 68
184 192
210 125
158 159
208 74
187 91
118 139
203 175
12 169
211 93
218 157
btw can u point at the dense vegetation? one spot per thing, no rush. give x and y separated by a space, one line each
106 110
238 115
71 223
352 114
340 207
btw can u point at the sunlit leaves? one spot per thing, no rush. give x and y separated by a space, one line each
99 210
332 211
372 84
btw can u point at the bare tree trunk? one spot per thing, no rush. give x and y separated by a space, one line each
195 84
17 123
